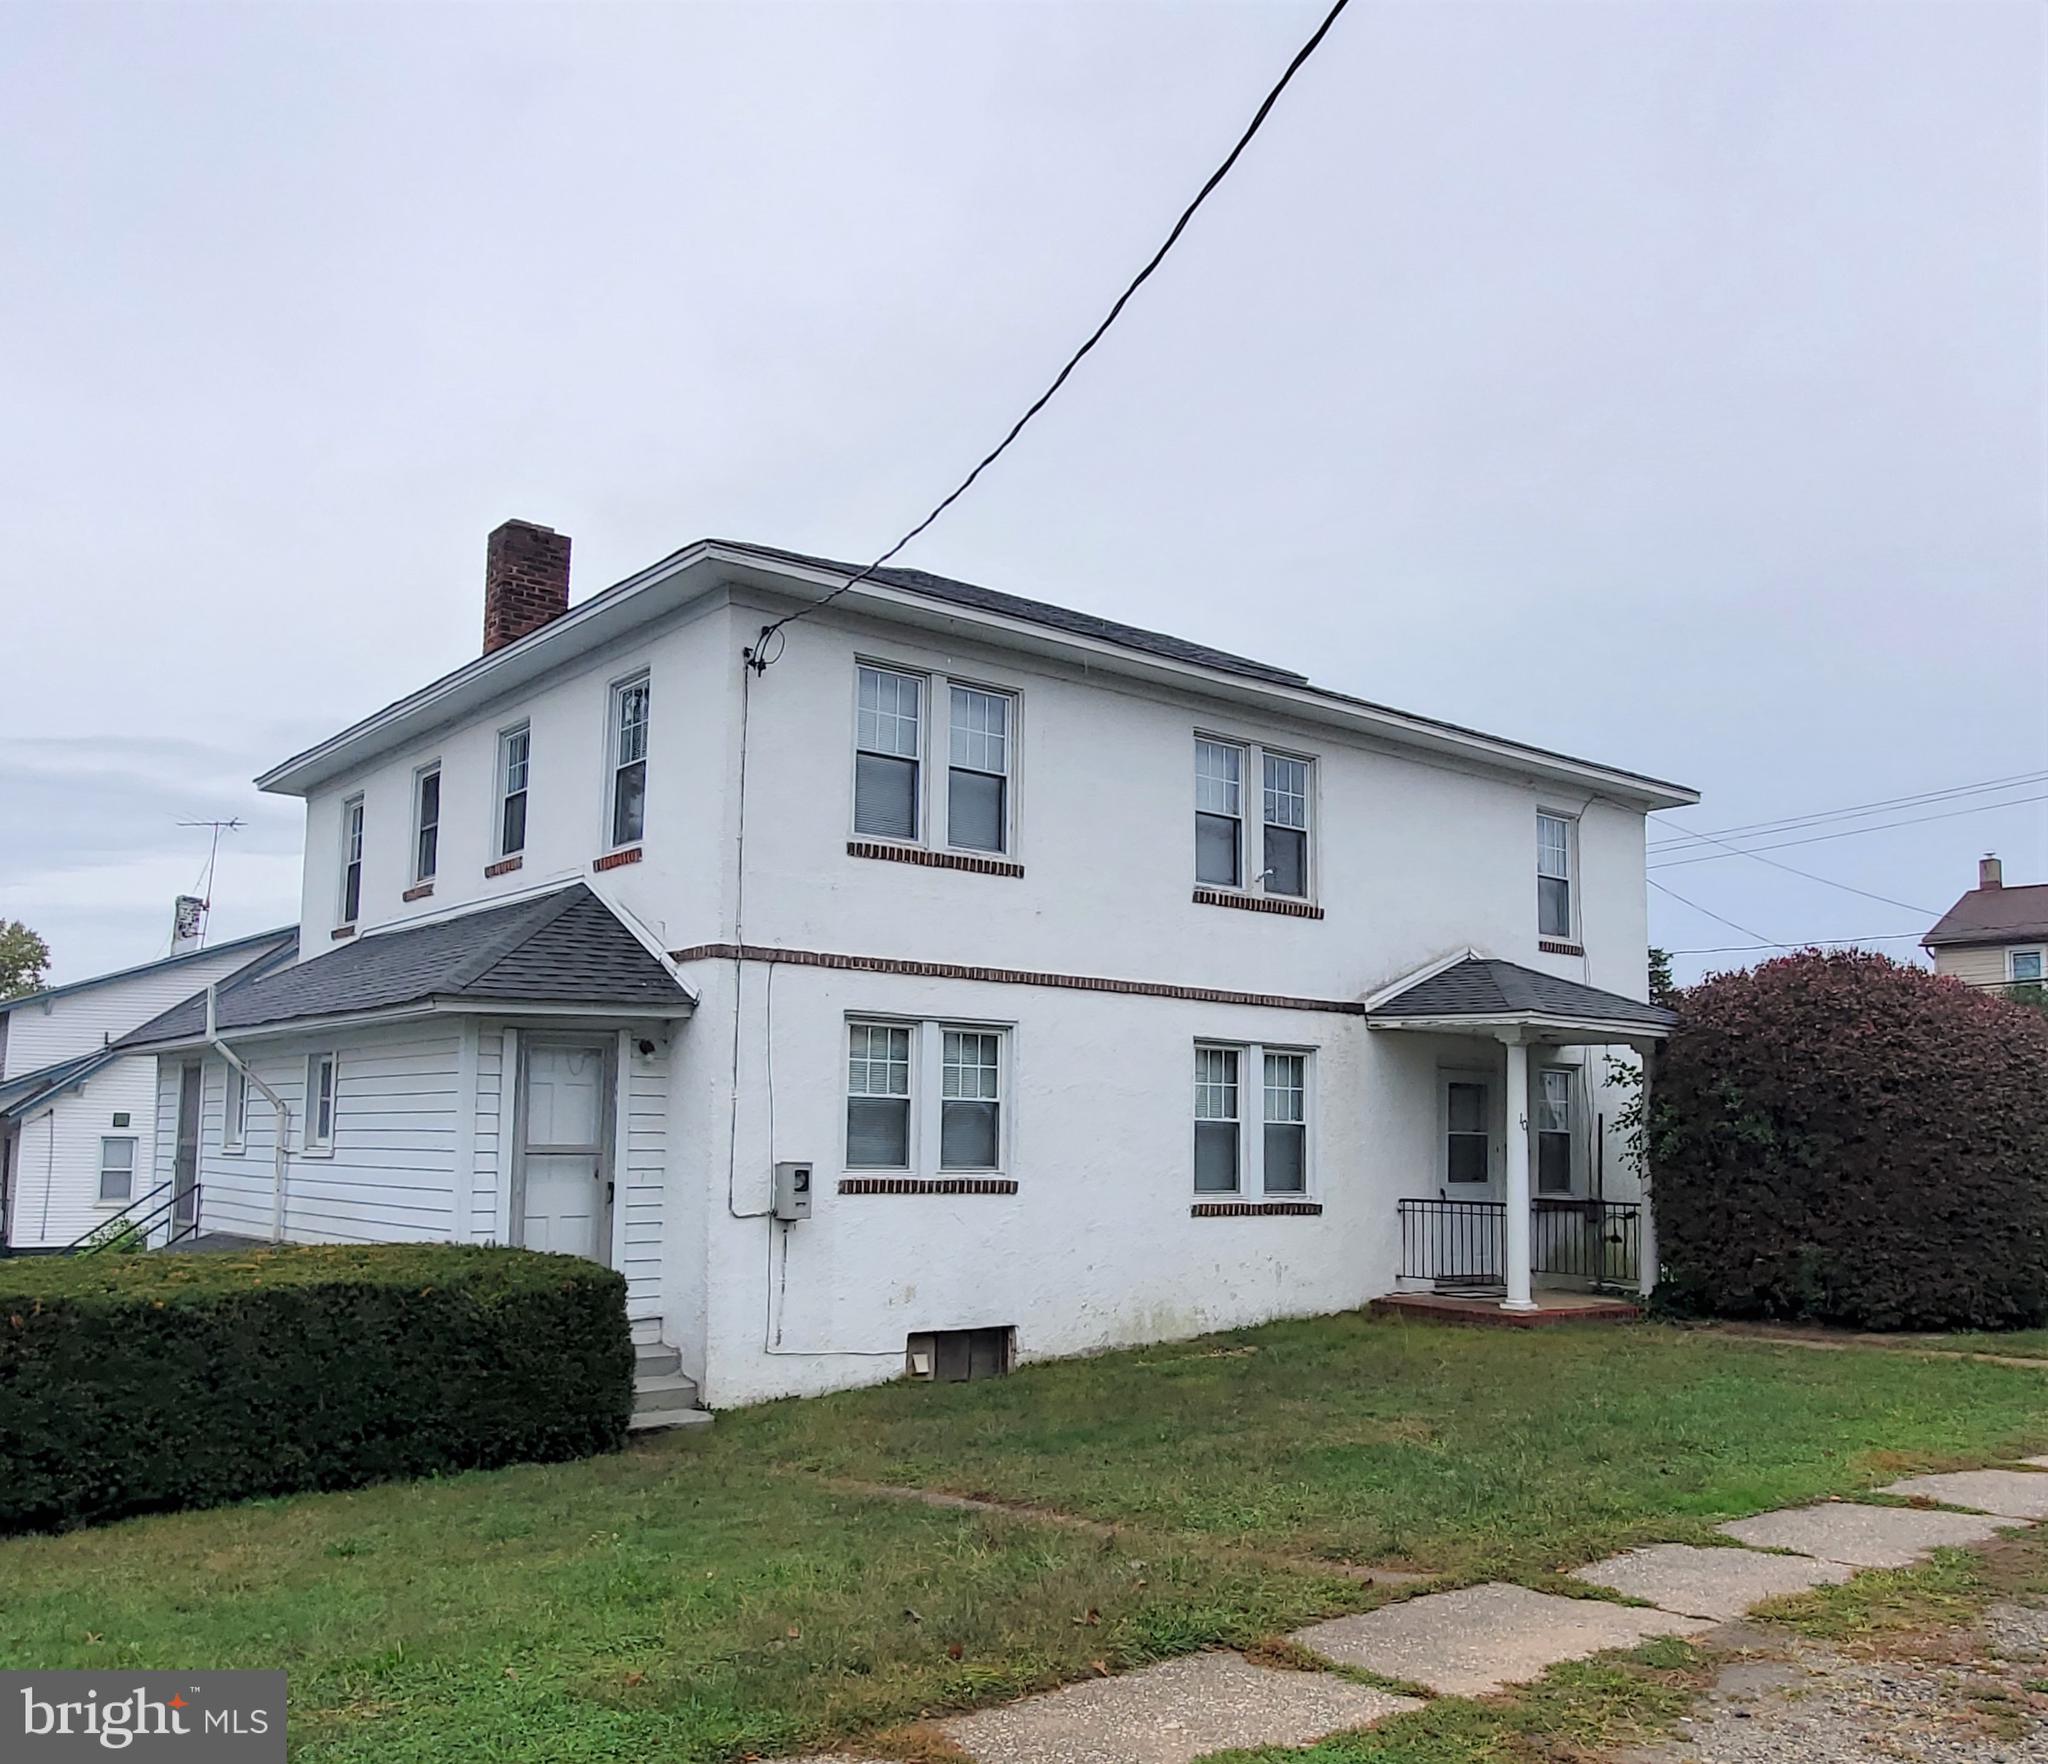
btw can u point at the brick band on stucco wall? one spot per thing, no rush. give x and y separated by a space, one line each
927 1185
813 958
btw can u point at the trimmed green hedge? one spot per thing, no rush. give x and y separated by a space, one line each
131 1384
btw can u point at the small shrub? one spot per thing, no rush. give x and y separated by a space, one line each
1842 1138
137 1383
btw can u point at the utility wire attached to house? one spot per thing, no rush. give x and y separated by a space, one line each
1673 833
758 657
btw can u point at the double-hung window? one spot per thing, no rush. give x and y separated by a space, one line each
117 1169
1224 770
1554 1131
234 1115
632 703
426 822
888 753
320 1102
1237 1090
351 860
515 756
925 1097
878 1096
1553 875
978 783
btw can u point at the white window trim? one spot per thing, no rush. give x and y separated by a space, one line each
312 1143
499 791
432 769
1251 818
613 693
927 1094
100 1195
234 1132
1446 1076
360 807
1572 1113
934 769
2036 950
1572 874
1251 1122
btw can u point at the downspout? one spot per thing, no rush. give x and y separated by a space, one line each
281 1114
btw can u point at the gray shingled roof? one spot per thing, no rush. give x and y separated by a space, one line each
1039 612
1484 986
566 947
1994 915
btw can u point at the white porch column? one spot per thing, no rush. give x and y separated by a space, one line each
1516 1187
1646 1242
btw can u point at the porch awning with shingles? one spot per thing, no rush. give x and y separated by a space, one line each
1481 994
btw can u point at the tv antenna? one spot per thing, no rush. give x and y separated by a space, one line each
217 828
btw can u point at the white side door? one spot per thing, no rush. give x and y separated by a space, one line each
565 1180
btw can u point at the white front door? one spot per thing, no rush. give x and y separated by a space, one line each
565 1109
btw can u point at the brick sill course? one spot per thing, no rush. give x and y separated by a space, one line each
932 860
1257 903
612 860
927 1185
504 866
1254 1209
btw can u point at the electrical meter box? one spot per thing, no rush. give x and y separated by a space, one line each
792 1191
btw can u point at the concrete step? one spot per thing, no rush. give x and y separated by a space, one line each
655 1360
662 1396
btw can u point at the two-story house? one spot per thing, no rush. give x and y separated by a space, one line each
78 1118
1994 936
937 977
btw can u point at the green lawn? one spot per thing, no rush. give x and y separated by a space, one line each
1473 1452
706 1597
2025 1344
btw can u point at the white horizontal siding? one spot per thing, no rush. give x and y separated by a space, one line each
57 1162
86 1020
486 1150
641 1172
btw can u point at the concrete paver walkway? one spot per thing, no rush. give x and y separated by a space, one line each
1710 1583
2014 1494
1171 1714
1863 1537
1482 1638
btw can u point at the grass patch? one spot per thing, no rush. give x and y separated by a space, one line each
1951 1589
666 1603
1467 1452
702 1598
2021 1344
1572 1711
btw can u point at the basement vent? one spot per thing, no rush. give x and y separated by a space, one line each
953 1356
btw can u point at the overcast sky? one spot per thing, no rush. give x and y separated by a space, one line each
1662 382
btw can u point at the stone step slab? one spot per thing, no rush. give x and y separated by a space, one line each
1709 1582
1484 1638
1862 1537
1172 1713
2012 1494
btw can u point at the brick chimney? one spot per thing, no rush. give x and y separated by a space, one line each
1990 872
526 581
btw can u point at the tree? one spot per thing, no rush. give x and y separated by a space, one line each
1663 989
24 959
1839 1137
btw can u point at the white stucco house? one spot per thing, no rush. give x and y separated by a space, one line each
976 979
78 1119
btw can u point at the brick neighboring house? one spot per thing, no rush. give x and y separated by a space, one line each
1994 935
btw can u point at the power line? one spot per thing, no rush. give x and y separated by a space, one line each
1791 822
1818 838
1811 876
756 657
1716 917
1803 943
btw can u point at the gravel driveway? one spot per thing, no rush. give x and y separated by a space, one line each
1972 1696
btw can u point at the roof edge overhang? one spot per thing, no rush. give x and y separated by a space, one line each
1530 1026
277 934
617 610
444 1005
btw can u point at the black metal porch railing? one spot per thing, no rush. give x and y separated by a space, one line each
1463 1244
132 1227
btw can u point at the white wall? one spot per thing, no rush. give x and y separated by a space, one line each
41 1032
57 1158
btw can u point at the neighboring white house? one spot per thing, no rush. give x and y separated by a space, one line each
78 1120
1104 987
